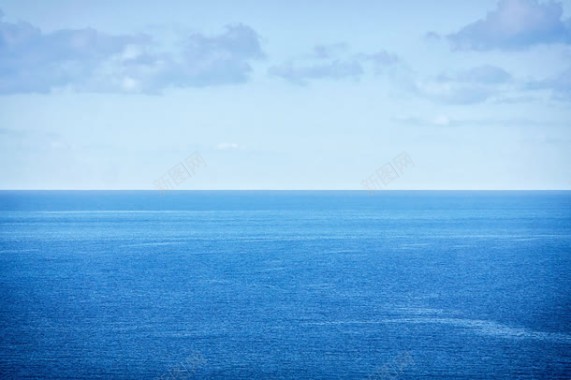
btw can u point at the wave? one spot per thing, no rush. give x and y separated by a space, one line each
479 326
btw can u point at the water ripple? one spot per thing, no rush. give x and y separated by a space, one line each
479 326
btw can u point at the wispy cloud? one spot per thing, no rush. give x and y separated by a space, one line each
302 73
33 61
229 146
92 61
558 85
443 120
381 60
490 83
33 139
469 86
485 74
326 51
332 61
223 58
438 121
515 25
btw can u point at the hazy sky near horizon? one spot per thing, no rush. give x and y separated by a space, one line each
285 94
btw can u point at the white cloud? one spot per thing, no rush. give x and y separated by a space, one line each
485 74
229 146
328 51
559 85
300 74
513 25
468 86
92 61
441 120
332 61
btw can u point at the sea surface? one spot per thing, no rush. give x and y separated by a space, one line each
285 285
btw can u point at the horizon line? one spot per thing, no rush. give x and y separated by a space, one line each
307 190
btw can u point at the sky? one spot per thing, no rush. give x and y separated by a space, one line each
381 95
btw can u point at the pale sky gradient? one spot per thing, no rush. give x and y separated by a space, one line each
285 94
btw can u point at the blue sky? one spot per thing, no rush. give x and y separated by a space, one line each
285 95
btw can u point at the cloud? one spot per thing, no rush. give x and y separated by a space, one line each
381 60
483 83
332 61
485 74
515 25
437 121
221 59
7 132
300 74
26 133
474 85
455 94
326 51
32 61
92 61
446 121
558 85
39 140
203 61
229 146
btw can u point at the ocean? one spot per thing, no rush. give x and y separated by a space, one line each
285 285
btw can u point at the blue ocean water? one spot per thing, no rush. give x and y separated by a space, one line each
285 285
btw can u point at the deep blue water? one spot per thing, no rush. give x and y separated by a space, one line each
317 285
